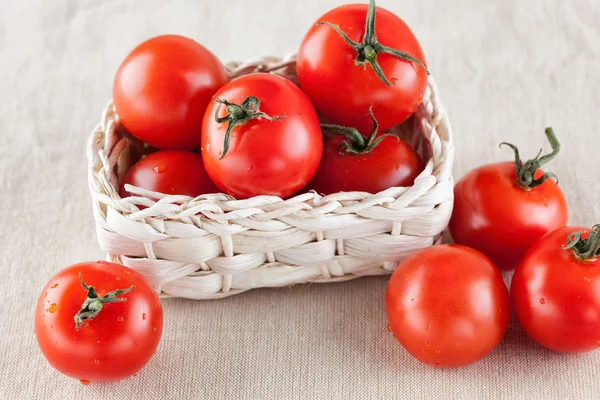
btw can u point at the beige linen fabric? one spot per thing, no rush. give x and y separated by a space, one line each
505 69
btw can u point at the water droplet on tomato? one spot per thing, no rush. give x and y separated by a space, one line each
250 168
143 316
118 278
405 276
52 307
85 382
45 294
120 319
97 341
542 301
97 362
53 286
438 351
428 344
154 329
160 168
207 146
427 328
389 327
585 278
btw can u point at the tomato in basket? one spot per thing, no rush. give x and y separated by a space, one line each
98 321
555 292
352 162
170 172
502 209
261 136
358 56
163 88
447 305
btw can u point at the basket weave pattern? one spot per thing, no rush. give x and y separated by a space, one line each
215 246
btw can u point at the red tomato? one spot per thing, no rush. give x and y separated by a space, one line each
162 89
266 141
170 172
447 305
118 331
383 68
502 214
363 164
555 292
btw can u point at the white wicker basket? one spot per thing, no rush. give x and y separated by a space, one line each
214 246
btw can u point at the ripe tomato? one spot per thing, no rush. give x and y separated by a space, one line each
170 172
502 209
162 89
261 135
447 305
346 66
555 290
364 164
105 332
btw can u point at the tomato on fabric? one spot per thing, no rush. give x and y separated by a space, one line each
261 136
502 209
162 88
447 305
352 162
358 56
555 291
170 172
98 321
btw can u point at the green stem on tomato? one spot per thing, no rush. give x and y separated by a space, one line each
357 143
92 305
585 249
526 170
369 48
238 114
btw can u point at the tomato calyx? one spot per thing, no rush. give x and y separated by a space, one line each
526 171
368 49
357 143
92 305
587 249
238 114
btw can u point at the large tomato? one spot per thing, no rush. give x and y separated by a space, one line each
98 321
349 62
352 162
502 209
261 136
447 305
162 89
170 172
555 291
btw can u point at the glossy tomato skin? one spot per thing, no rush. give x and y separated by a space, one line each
556 297
343 91
447 305
391 163
162 89
170 172
115 344
265 157
497 217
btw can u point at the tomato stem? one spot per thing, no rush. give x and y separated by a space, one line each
368 49
526 171
356 143
238 114
92 305
585 249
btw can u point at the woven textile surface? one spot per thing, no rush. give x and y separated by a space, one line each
505 69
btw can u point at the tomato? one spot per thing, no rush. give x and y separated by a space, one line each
261 136
447 305
346 66
105 332
372 164
170 172
502 209
555 291
162 89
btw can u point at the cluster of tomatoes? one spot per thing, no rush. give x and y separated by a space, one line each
448 305
261 134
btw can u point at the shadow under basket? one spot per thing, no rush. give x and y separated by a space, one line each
214 246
